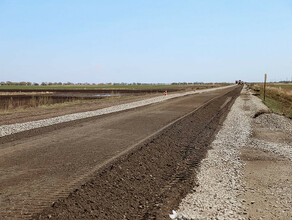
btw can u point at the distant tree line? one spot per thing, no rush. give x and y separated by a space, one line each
9 83
186 83
285 81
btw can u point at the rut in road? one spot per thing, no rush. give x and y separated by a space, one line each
149 181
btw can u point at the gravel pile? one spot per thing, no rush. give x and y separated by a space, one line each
277 123
215 197
19 127
274 122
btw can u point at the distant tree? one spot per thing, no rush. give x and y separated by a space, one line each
22 83
28 83
36 84
50 83
9 83
68 83
59 83
2 83
43 84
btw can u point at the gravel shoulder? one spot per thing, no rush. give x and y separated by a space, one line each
247 173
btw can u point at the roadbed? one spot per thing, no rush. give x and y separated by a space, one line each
48 164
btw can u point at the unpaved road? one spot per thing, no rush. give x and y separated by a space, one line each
42 165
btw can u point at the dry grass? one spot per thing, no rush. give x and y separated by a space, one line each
44 105
278 97
76 102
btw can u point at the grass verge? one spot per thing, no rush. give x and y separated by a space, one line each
278 100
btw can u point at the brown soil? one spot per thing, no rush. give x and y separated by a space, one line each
268 180
272 136
150 180
268 176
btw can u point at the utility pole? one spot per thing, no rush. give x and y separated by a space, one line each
265 87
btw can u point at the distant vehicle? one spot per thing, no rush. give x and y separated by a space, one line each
239 82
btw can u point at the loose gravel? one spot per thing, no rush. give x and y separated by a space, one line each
19 127
220 180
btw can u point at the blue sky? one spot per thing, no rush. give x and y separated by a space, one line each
145 40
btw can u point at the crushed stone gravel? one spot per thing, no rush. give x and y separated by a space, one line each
19 127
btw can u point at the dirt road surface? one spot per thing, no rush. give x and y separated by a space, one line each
41 166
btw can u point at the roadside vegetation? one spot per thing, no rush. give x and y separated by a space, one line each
278 97
47 103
